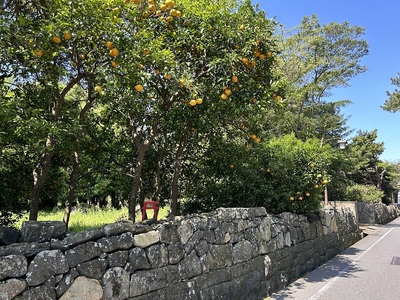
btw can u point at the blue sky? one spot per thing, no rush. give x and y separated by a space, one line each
367 91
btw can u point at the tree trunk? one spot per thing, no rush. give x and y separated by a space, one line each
157 195
41 170
177 173
135 187
72 186
136 181
40 173
73 177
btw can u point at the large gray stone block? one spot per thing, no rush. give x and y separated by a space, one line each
116 284
45 265
42 231
116 242
26 249
11 288
190 266
74 239
84 288
13 266
93 269
44 291
143 240
82 253
137 260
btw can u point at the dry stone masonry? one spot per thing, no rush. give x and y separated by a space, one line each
232 253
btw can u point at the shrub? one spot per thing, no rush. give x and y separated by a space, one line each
282 174
365 193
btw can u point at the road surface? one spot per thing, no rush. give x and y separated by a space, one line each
370 269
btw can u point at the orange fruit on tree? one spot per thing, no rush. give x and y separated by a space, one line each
308 194
109 45
114 52
291 198
67 35
38 53
253 136
181 82
56 39
139 88
261 56
146 51
325 181
245 60
98 88
169 3
199 101
224 96
178 13
114 64
192 102
235 79
228 92
242 27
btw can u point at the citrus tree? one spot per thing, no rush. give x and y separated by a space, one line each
48 49
184 71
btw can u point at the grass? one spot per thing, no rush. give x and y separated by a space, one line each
82 220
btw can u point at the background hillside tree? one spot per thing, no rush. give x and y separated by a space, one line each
315 59
392 104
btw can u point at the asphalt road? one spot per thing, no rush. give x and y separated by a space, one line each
370 269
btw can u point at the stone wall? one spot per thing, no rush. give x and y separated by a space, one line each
371 212
376 213
241 253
